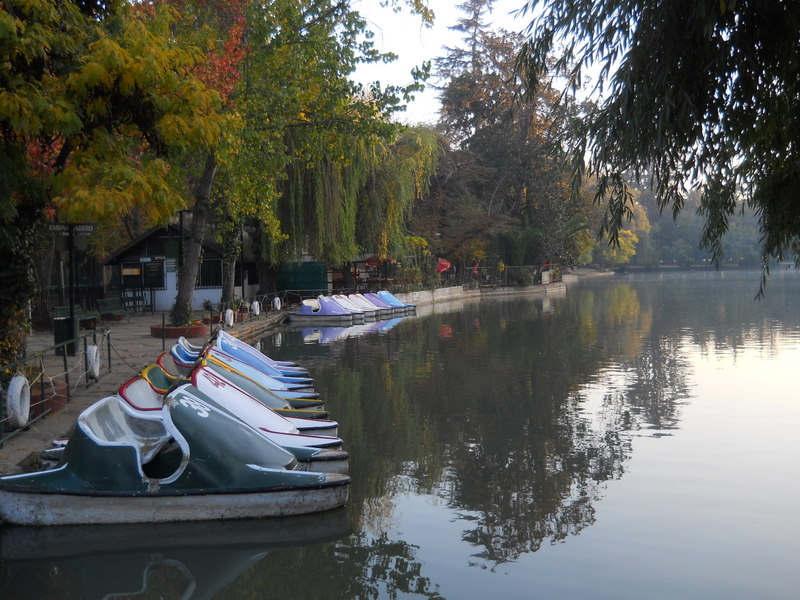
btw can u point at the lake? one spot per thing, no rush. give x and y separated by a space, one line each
635 437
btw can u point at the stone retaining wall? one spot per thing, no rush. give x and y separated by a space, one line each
459 293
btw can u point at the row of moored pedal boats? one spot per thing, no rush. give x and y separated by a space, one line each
214 432
342 309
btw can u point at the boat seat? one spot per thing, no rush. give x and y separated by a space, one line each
166 362
158 378
108 423
140 395
181 356
312 303
189 347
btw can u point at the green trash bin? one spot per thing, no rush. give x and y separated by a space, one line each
65 329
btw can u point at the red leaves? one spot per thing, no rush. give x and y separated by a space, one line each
227 19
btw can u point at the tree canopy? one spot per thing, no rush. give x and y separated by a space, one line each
94 96
506 195
695 95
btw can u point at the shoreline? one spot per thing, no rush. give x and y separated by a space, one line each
132 348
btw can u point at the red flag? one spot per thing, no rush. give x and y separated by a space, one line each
442 265
475 268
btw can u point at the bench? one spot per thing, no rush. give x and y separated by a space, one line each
110 309
87 320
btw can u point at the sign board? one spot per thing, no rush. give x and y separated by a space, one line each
153 274
77 228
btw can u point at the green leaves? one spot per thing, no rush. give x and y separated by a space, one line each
698 95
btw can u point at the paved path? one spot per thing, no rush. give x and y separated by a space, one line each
132 348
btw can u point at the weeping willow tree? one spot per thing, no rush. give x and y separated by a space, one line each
400 175
335 207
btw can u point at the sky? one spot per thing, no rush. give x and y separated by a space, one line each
404 35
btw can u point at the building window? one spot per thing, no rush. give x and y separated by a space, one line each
210 274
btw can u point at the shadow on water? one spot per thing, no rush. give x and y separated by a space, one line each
175 560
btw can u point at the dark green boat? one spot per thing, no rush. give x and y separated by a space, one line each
189 461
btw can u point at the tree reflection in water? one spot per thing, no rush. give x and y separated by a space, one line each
517 416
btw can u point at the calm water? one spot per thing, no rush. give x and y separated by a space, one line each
635 438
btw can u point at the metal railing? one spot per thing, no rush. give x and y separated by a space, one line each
53 374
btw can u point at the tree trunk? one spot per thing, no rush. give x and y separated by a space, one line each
228 283
182 311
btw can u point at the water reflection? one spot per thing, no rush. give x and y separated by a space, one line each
516 411
505 420
178 560
330 334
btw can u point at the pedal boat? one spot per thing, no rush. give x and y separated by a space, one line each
313 407
384 310
245 352
390 298
162 382
396 311
190 461
283 389
314 451
198 349
370 312
322 311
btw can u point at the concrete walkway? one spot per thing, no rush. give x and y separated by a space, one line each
132 348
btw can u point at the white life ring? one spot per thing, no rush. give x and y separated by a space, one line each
276 303
18 401
229 317
256 308
93 361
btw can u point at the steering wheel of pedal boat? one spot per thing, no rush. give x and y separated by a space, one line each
18 401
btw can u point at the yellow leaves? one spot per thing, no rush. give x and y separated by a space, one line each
94 75
17 109
93 188
417 241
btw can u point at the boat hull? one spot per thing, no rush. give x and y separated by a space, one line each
321 319
36 508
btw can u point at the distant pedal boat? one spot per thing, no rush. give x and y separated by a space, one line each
370 312
322 311
390 298
384 310
395 309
